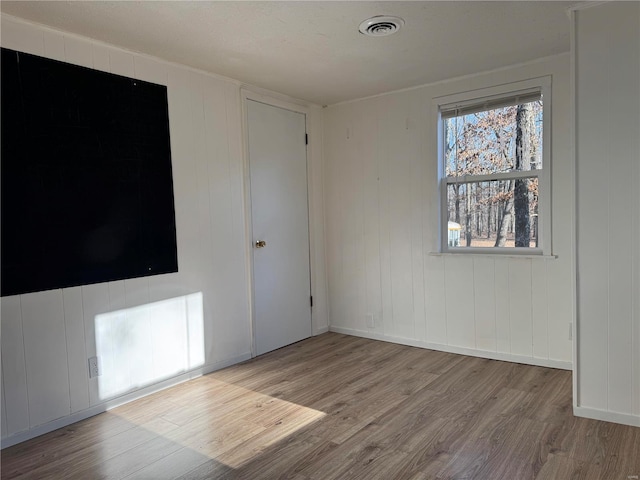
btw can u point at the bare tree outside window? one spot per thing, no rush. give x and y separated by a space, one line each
492 163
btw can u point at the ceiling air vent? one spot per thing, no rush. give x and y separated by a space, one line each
381 26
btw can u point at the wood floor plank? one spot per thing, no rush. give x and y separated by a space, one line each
90 455
341 407
557 467
170 466
288 459
128 462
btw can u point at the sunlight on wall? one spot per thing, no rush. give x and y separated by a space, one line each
143 345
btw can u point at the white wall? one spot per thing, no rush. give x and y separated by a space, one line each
47 337
607 89
381 206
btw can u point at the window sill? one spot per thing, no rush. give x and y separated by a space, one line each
467 253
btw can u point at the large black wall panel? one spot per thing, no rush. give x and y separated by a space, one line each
87 189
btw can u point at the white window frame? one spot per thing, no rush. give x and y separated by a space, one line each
489 96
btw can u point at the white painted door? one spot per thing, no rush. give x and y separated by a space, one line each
280 219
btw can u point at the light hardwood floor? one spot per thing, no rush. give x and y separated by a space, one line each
340 407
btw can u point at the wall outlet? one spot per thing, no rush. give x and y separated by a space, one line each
570 331
94 367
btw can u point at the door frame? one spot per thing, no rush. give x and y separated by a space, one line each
246 95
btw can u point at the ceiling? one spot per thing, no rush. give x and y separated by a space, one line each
313 50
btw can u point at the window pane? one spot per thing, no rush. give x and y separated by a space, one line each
494 141
501 213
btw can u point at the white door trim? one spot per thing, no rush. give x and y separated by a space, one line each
247 95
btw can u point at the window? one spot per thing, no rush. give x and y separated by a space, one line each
494 165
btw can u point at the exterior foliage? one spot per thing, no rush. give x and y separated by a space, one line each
495 212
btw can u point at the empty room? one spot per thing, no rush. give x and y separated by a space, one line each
320 240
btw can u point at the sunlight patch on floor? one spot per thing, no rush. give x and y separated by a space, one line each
224 422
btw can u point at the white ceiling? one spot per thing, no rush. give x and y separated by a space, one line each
313 50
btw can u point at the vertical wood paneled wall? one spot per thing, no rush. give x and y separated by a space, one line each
607 89
382 230
47 337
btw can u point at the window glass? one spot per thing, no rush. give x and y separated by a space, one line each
485 142
493 161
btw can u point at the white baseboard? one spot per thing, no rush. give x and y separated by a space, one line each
320 331
506 357
604 415
115 402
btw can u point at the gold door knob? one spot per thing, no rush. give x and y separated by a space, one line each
261 243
